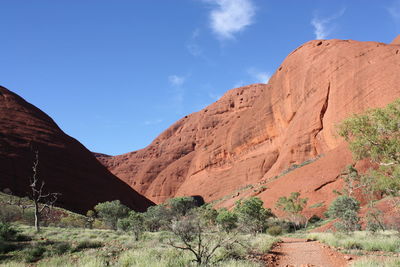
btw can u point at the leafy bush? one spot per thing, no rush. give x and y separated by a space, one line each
181 206
252 215
274 230
345 208
227 220
7 233
85 244
61 248
6 247
111 212
9 213
156 218
35 253
73 221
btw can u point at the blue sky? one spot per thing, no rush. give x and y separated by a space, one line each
115 74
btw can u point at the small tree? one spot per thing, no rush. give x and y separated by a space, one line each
111 211
133 223
375 135
180 206
208 213
345 208
193 233
227 220
252 215
156 218
90 218
292 206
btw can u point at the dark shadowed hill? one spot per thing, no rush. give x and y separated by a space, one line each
65 165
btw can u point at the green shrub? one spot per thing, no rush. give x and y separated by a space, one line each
85 244
61 248
6 247
72 221
111 211
7 233
9 213
274 230
345 208
226 219
34 254
28 217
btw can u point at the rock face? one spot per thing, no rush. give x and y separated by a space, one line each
65 165
254 134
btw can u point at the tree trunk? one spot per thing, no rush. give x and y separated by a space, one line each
37 217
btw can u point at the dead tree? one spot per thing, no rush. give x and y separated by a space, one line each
41 200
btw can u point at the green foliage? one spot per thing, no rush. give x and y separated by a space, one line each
208 213
35 253
156 218
7 233
9 213
227 220
341 205
134 223
111 212
381 241
72 221
193 233
61 248
293 206
376 135
275 230
376 261
345 208
85 244
180 206
252 215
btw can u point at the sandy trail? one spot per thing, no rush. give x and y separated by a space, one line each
294 252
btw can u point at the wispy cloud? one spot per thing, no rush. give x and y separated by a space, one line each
178 92
239 84
192 46
153 122
322 27
231 16
214 97
176 80
394 12
259 76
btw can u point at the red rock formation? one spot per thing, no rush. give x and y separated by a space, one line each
65 165
254 133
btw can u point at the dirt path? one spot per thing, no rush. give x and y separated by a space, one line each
292 252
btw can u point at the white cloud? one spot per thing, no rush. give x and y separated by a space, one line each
321 25
259 76
231 16
176 80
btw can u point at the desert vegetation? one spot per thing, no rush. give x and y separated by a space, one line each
177 233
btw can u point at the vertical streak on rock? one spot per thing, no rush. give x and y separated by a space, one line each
321 118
